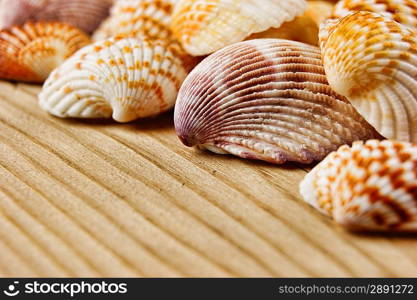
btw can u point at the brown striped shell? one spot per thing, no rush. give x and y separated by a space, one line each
372 61
84 14
138 18
30 52
123 78
204 27
266 99
370 186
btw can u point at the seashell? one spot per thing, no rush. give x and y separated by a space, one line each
370 186
123 78
401 11
204 27
304 29
319 10
372 61
138 18
31 52
266 99
84 14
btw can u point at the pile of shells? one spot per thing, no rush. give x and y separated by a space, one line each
277 80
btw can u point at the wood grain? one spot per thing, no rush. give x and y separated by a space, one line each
95 198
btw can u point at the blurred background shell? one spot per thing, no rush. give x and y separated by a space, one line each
372 61
304 28
266 99
401 11
370 186
138 18
204 27
30 52
123 78
84 14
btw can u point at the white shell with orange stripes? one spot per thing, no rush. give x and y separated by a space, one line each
123 78
372 61
401 11
370 186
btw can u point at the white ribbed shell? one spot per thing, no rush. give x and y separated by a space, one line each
266 99
124 78
371 186
372 61
204 27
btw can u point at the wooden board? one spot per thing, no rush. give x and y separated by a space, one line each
90 198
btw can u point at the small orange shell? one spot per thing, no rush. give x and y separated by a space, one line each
372 61
138 18
84 14
204 27
370 187
30 52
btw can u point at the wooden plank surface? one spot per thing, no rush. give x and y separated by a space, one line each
85 198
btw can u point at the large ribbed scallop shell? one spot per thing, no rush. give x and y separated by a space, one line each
138 18
32 51
371 186
121 78
84 14
372 61
268 100
204 27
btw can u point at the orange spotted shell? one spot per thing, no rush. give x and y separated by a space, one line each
401 11
372 61
266 99
30 52
123 78
370 186
138 18
84 14
304 28
204 27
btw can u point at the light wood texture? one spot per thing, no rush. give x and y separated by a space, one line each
84 198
